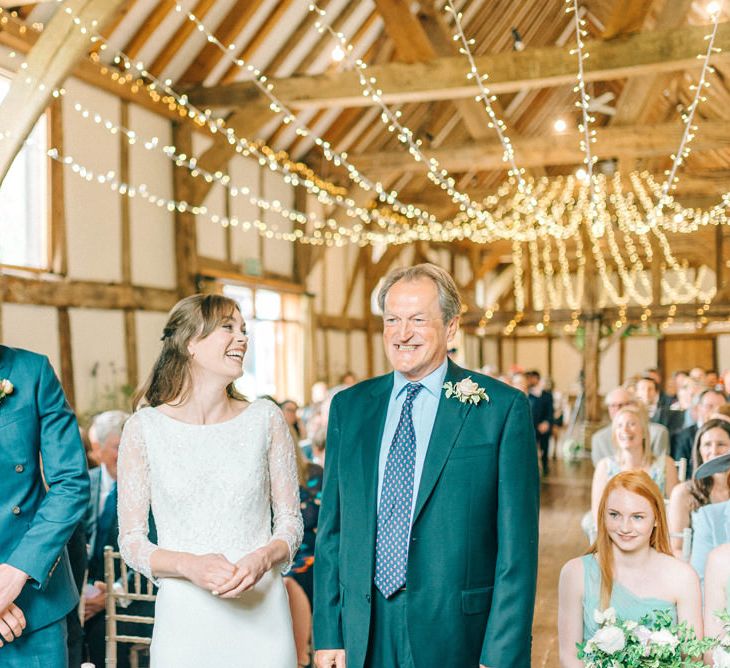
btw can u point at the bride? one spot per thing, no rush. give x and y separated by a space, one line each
219 475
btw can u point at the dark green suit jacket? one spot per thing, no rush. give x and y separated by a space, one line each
472 561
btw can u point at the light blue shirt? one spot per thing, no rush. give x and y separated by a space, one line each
424 415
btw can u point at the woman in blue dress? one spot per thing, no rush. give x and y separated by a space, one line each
629 567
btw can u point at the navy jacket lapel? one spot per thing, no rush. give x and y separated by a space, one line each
450 417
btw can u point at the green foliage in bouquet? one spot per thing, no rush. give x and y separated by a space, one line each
655 641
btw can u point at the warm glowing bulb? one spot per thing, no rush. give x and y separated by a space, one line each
338 54
713 8
582 175
560 125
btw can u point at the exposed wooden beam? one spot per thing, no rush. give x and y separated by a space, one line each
95 74
412 45
53 291
49 62
626 16
151 23
443 78
557 149
226 32
186 249
271 23
202 7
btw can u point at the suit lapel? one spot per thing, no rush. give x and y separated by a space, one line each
450 417
7 356
371 434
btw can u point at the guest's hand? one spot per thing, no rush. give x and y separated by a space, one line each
249 570
543 427
12 623
11 584
330 658
208 571
95 603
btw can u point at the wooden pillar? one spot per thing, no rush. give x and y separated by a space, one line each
591 321
186 254
67 366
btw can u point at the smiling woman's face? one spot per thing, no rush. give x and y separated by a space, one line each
629 520
221 352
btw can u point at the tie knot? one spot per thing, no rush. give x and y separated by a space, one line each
412 390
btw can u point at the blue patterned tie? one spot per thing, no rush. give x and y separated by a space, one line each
396 500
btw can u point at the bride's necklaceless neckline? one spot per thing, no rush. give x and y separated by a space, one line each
199 424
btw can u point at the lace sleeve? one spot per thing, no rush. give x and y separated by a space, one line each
133 485
287 525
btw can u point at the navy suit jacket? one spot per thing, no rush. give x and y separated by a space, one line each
472 559
37 423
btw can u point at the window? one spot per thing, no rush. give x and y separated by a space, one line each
24 199
274 363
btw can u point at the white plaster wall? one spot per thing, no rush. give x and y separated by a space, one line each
609 374
567 364
722 352
148 329
314 286
244 243
212 236
33 328
381 364
319 345
509 354
336 345
336 273
278 254
97 340
93 221
357 308
471 346
490 351
152 243
463 271
640 354
358 356
533 354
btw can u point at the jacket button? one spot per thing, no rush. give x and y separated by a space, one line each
16 510
367 597
19 468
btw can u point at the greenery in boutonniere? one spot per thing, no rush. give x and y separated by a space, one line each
6 388
466 391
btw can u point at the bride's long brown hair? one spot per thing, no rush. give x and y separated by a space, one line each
192 317
636 482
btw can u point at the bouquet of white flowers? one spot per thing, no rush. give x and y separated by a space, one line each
655 640
721 653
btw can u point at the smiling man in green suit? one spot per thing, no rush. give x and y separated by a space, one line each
427 542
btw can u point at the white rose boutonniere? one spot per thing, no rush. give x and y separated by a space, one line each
6 388
466 391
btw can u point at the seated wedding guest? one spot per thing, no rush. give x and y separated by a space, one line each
647 390
722 413
711 441
102 529
711 523
664 398
712 378
630 434
706 403
601 441
717 588
298 580
319 441
629 567
290 410
348 379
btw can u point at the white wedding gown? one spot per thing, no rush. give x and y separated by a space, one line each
223 488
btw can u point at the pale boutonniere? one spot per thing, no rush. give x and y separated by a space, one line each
6 388
466 391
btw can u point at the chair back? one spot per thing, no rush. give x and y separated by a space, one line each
120 592
681 469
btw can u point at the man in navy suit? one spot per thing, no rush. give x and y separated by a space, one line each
44 489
